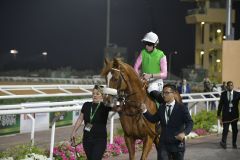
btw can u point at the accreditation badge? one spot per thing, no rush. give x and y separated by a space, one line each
230 107
88 127
181 145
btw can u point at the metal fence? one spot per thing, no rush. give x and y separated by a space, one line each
194 100
84 81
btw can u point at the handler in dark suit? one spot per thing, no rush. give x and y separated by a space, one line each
228 108
175 122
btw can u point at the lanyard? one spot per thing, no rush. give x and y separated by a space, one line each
93 114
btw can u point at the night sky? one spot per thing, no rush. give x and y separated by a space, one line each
73 32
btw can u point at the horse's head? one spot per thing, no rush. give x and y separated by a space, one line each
115 79
124 79
115 75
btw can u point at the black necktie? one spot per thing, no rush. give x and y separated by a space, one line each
230 102
230 97
168 111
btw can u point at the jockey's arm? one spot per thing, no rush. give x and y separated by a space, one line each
163 66
138 63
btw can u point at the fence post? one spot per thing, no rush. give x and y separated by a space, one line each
190 112
207 106
217 105
33 128
52 140
195 109
111 129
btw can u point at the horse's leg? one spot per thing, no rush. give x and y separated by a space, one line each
130 142
147 146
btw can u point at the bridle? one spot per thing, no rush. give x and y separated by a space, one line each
124 96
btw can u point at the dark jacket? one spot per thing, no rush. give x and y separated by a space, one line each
180 89
180 121
223 107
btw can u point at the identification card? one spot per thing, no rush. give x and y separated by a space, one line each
181 145
88 127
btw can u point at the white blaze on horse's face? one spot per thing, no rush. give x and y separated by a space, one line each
110 93
109 76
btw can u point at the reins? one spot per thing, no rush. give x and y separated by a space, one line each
236 119
124 98
126 101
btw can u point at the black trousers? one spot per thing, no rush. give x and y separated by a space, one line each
94 147
164 154
234 132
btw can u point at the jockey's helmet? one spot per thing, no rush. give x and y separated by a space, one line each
151 38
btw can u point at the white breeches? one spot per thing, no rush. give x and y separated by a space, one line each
155 85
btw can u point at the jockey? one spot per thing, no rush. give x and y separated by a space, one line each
153 64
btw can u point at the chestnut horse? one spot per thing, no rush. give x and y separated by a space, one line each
132 92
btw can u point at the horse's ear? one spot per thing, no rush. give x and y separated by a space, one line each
107 67
115 60
116 63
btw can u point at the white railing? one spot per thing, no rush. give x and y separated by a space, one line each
90 80
20 91
206 97
47 107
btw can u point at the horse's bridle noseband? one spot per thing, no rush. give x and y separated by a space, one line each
123 97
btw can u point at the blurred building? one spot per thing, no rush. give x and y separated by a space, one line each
210 19
230 63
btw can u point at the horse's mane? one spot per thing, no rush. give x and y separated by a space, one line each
124 68
132 74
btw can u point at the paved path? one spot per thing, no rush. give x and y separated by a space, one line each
205 148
